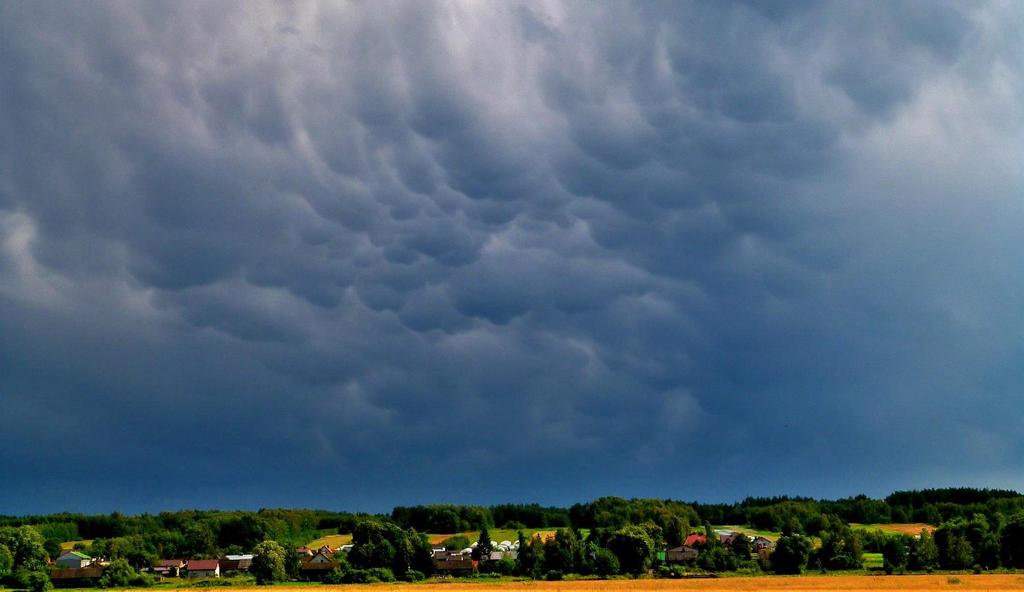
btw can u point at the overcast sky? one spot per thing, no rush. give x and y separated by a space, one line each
357 255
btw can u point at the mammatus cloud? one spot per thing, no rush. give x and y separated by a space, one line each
328 255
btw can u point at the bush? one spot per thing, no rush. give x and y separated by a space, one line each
335 576
381 574
120 574
554 575
34 581
414 576
357 576
671 571
604 563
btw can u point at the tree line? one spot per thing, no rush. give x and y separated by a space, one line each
977 529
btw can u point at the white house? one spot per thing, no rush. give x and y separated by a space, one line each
203 568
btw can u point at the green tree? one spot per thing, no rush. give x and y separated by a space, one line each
633 547
922 553
422 559
53 548
6 561
35 581
956 553
199 541
741 546
120 574
483 545
27 547
791 554
605 563
1012 541
840 547
268 562
895 553
676 528
381 544
530 556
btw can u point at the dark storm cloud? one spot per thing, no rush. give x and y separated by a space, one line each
426 251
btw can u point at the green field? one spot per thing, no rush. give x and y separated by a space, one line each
750 532
872 561
909 528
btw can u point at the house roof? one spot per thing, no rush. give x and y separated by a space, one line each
238 557
695 539
170 562
203 564
76 554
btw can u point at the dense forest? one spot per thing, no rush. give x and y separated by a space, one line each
978 529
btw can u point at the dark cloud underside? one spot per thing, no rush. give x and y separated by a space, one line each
353 256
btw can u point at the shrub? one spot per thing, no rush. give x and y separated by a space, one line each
554 575
35 581
605 563
120 574
671 571
335 576
414 576
357 576
381 574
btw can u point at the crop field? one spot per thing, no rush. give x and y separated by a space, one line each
746 584
334 540
910 528
497 535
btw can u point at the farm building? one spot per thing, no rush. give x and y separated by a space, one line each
759 543
168 568
73 560
681 554
76 577
453 563
235 563
203 568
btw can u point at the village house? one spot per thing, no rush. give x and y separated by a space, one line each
203 568
449 563
760 543
681 554
168 568
313 568
73 560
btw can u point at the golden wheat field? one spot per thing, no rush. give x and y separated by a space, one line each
772 583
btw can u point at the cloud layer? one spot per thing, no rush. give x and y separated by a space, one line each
353 256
